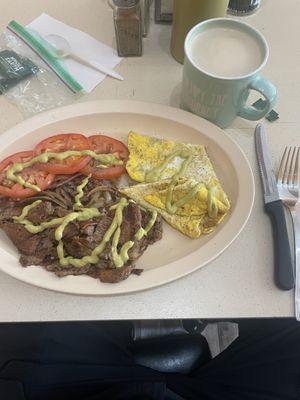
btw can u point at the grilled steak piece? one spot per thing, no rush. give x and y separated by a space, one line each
80 238
26 242
114 275
26 261
132 222
100 228
59 271
41 213
9 212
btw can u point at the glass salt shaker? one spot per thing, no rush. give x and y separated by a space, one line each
128 27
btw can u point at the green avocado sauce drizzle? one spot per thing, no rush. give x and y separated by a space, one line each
172 207
25 211
84 214
105 159
93 258
120 259
79 195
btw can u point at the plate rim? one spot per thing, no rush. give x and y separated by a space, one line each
154 277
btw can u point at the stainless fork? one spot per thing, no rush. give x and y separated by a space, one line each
288 188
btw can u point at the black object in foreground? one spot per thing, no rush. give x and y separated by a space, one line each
95 360
283 264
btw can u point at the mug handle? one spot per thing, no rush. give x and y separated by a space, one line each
268 90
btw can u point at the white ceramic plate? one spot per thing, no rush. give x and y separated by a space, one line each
175 255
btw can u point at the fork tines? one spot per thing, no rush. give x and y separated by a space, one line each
288 173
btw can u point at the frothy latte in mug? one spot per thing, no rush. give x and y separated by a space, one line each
223 61
226 52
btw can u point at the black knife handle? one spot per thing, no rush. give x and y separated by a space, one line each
283 263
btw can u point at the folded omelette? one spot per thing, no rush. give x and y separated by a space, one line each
178 181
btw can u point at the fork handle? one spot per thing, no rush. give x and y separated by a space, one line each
283 265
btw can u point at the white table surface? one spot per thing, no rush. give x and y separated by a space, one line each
240 282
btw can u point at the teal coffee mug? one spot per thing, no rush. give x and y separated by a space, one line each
223 60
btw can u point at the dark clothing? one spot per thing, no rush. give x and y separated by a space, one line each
90 361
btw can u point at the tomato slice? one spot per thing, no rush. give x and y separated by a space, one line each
103 145
31 175
59 144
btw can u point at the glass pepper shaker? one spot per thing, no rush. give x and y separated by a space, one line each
128 27
243 7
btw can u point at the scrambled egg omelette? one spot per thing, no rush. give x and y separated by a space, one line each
185 168
146 152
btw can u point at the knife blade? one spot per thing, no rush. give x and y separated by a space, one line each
283 263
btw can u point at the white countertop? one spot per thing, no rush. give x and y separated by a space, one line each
240 282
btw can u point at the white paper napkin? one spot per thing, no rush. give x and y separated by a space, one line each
82 44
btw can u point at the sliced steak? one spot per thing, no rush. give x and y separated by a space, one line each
9 212
102 224
114 275
91 235
155 233
41 213
6 202
77 247
41 252
26 261
132 222
107 275
88 228
25 241
47 247
79 238
59 271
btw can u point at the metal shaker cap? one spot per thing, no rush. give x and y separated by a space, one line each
126 3
243 7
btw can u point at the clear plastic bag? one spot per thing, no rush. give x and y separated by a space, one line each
33 79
